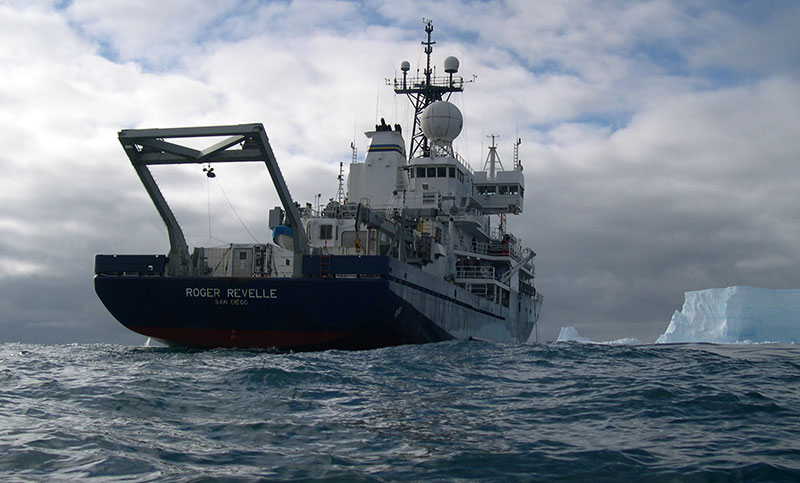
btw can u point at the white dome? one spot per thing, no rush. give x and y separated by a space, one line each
451 65
441 121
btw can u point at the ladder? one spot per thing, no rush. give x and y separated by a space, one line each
325 262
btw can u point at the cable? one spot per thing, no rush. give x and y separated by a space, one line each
208 198
235 212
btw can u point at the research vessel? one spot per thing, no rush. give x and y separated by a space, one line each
416 250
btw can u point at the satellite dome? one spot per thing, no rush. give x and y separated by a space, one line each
441 121
451 65
405 66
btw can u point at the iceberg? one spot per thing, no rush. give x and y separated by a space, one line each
736 315
570 334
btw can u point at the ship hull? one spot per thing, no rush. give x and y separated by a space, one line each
342 302
282 313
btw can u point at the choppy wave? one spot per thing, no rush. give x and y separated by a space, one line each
470 410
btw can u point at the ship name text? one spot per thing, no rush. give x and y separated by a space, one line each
232 293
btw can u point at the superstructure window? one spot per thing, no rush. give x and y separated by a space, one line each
490 189
326 232
451 172
421 173
441 172
431 172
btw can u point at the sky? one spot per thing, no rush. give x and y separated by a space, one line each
660 139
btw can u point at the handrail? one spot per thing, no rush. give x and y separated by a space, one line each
463 163
482 272
416 82
495 249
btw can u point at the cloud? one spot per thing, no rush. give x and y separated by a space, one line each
691 194
659 139
157 35
753 38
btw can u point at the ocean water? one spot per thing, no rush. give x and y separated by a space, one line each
449 411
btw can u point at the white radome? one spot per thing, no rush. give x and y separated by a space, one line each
441 121
451 65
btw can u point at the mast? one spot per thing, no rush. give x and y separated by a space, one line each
340 193
425 90
492 160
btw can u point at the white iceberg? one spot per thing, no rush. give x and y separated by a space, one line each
570 334
736 315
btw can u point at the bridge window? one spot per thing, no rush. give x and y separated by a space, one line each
451 172
491 189
431 172
420 172
441 172
326 232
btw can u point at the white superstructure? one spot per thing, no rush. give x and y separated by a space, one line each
431 210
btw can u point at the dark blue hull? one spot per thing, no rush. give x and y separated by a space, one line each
284 313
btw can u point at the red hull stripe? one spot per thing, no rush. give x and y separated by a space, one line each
208 338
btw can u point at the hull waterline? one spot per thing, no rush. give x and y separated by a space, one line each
286 314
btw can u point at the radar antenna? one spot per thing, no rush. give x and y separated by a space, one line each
425 90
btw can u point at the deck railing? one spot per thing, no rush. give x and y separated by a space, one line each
495 249
475 272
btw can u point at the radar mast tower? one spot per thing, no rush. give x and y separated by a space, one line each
492 160
424 90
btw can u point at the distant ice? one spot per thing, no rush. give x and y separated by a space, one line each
570 334
736 315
